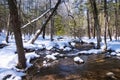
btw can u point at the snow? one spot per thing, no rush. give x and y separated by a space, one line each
78 59
9 59
45 64
2 37
91 51
56 53
67 49
30 56
50 45
73 44
113 45
51 57
14 74
113 53
85 39
118 54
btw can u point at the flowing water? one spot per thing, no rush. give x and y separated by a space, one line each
95 67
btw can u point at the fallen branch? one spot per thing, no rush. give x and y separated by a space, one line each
37 18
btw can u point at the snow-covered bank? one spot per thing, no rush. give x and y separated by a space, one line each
8 62
9 59
113 45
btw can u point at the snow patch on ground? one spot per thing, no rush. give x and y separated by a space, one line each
9 59
92 51
2 38
30 56
13 75
51 57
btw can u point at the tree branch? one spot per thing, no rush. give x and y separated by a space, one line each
37 18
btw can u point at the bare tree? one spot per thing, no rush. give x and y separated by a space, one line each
106 23
88 24
8 27
116 20
51 24
17 32
96 21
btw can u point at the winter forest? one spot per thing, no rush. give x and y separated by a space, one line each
59 39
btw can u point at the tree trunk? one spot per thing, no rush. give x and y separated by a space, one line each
52 29
109 33
44 29
96 21
88 24
43 35
8 27
52 26
92 26
106 23
119 6
17 32
116 20
94 30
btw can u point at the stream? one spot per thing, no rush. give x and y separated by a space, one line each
95 67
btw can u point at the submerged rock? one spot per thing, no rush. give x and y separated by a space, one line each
110 76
